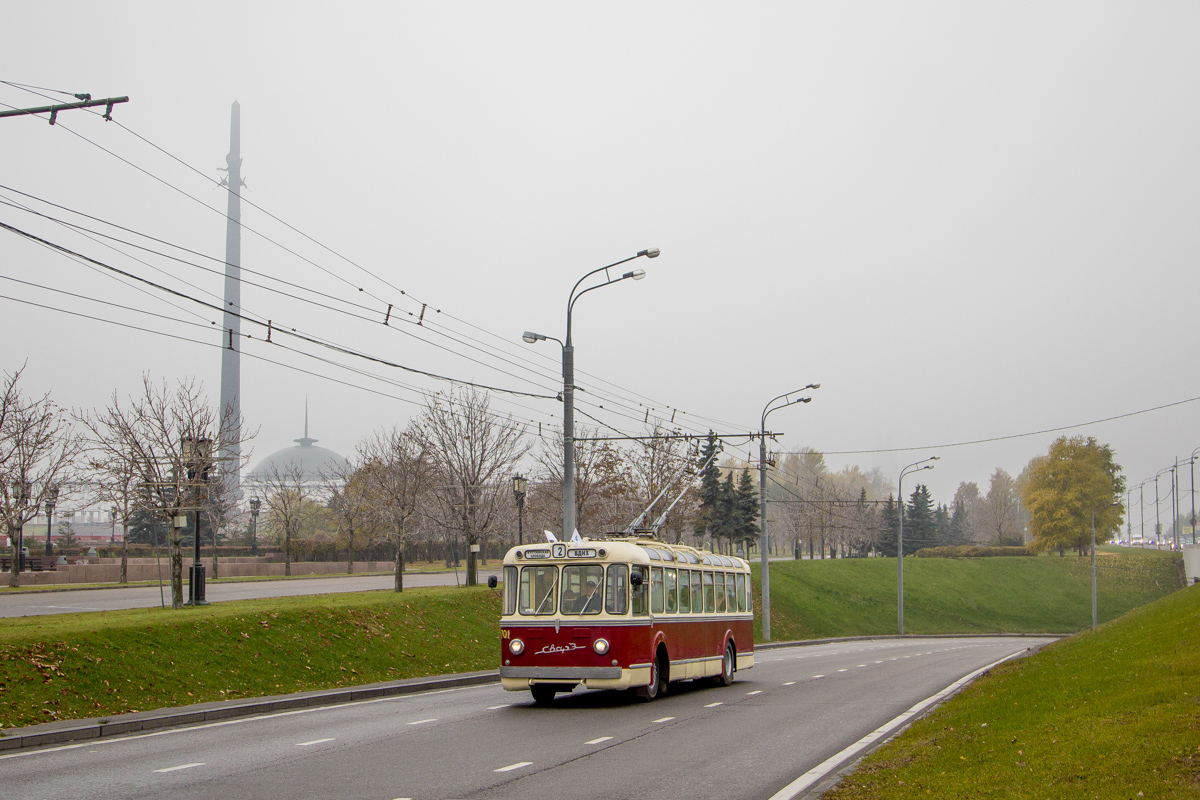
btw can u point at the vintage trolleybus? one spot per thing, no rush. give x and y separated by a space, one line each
622 612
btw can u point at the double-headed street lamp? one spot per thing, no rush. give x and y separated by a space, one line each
51 499
1105 504
916 466
568 369
763 543
520 483
255 505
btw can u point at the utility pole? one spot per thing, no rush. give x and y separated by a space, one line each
85 101
231 365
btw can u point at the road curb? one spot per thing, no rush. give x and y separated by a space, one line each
834 640
102 727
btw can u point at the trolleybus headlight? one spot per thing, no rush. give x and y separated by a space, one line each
516 647
600 646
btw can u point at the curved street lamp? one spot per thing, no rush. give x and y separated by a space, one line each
763 543
520 484
51 499
911 468
568 368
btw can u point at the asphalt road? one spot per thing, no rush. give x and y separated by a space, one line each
796 709
25 604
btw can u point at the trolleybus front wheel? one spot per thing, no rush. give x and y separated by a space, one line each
658 679
543 693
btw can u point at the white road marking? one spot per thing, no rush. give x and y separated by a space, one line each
843 670
862 665
664 719
818 773
76 608
511 767
600 740
423 721
759 691
714 705
181 766
314 741
790 683
818 676
493 708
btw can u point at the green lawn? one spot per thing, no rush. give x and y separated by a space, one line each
71 666
1113 713
1037 594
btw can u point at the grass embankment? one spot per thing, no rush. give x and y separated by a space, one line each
1113 713
74 666
1041 594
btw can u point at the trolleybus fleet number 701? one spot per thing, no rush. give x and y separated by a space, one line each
622 613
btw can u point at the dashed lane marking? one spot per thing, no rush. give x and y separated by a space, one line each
790 683
757 691
511 767
664 719
181 766
714 705
493 708
601 740
818 676
314 741
423 721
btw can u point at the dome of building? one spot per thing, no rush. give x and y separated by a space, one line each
317 464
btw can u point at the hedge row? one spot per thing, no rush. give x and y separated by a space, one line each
970 551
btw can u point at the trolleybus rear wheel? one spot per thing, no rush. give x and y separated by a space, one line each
727 667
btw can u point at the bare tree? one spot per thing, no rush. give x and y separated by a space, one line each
38 448
397 472
115 483
473 451
165 438
350 503
999 510
654 466
286 494
602 480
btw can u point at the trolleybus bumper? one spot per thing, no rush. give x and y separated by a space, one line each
519 679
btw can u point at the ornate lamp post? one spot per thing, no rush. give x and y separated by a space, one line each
568 368
197 461
519 485
255 505
51 499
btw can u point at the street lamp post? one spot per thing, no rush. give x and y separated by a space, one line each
519 485
1157 518
568 369
51 499
1192 467
112 540
255 504
916 466
197 460
1107 504
764 542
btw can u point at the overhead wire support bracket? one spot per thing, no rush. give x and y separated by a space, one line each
107 102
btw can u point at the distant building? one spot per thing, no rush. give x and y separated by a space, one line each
317 464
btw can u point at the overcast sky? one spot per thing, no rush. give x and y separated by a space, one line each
965 220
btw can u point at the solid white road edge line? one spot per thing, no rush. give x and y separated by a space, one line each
181 766
818 773
238 721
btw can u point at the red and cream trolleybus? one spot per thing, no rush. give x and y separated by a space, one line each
622 612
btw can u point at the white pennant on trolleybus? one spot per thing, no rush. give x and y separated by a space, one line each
550 537
575 537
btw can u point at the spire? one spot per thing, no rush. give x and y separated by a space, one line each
304 441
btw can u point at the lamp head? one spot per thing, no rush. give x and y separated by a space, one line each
650 252
814 386
530 337
636 274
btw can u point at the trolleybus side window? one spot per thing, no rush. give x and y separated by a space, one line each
730 594
685 591
510 590
719 579
671 579
537 593
656 590
582 588
710 604
697 593
637 592
741 591
616 589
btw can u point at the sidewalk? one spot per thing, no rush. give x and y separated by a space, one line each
82 729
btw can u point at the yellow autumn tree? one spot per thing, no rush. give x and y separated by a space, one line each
1061 489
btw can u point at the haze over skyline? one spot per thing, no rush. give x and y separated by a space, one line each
965 222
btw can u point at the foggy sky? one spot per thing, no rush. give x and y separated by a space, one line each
965 221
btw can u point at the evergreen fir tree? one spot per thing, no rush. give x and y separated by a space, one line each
960 525
728 514
920 529
707 520
941 519
748 512
889 527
